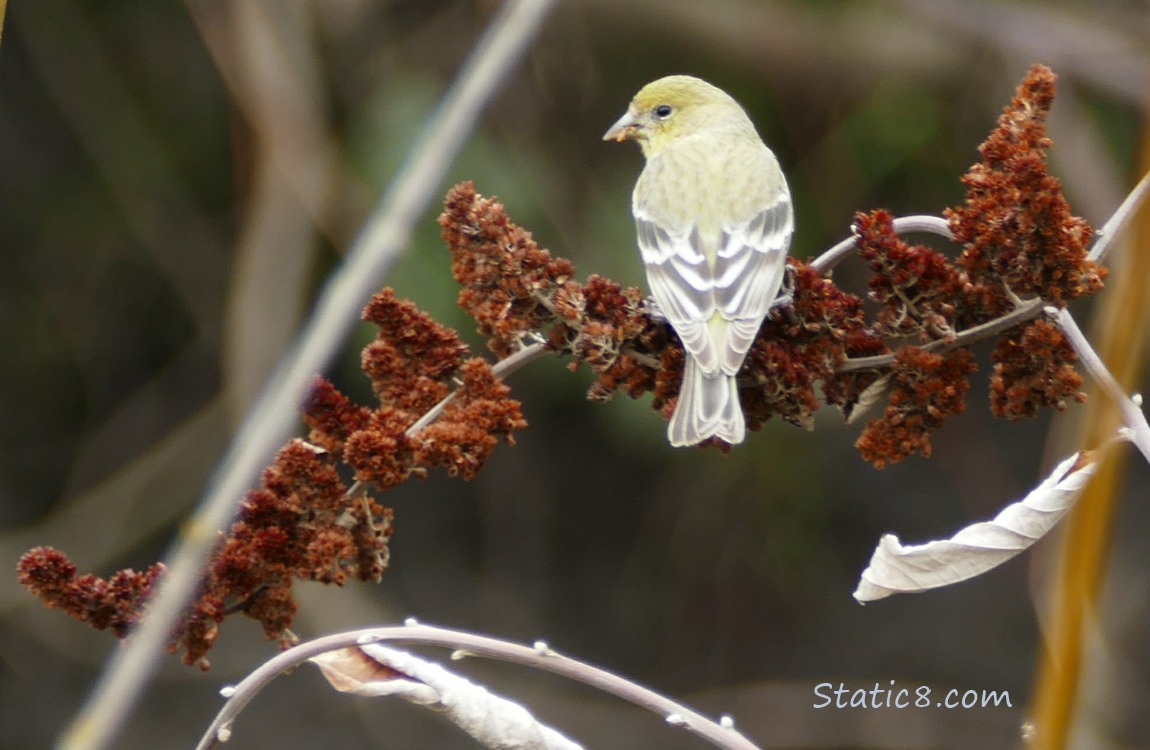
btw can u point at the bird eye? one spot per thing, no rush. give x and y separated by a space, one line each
663 111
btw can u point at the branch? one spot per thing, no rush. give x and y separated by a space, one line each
939 226
373 670
274 415
1117 223
502 368
1025 311
1104 239
905 225
467 644
1130 407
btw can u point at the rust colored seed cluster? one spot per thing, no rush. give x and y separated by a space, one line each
113 603
1019 241
514 288
1016 228
926 389
802 347
508 280
615 331
300 524
413 364
304 522
1033 369
915 285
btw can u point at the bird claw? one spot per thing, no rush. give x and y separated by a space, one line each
783 304
786 295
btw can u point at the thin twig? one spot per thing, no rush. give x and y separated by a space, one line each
1104 237
904 224
1117 222
1026 311
502 369
274 415
1132 415
469 644
1022 313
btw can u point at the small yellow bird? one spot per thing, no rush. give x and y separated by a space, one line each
714 221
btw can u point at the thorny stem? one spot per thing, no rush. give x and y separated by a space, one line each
469 644
1132 415
272 418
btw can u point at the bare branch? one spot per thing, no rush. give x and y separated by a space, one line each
1114 226
274 415
1027 310
905 225
538 656
502 368
1132 415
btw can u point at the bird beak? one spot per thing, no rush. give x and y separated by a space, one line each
625 128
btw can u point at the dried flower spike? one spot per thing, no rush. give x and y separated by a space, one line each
1033 369
926 389
1018 233
113 603
915 285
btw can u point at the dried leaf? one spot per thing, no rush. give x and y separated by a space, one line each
895 568
350 670
870 396
375 670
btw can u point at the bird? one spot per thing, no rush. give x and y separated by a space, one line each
714 221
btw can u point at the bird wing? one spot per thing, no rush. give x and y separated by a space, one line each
682 284
748 272
740 285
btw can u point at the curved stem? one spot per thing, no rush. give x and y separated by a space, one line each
469 644
937 225
904 224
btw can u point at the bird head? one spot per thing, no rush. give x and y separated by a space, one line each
675 107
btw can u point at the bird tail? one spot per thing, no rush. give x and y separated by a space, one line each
708 407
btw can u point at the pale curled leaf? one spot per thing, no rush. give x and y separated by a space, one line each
896 568
375 670
350 670
871 395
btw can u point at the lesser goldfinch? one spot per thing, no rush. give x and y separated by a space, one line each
714 221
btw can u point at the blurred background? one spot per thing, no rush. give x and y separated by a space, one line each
178 178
